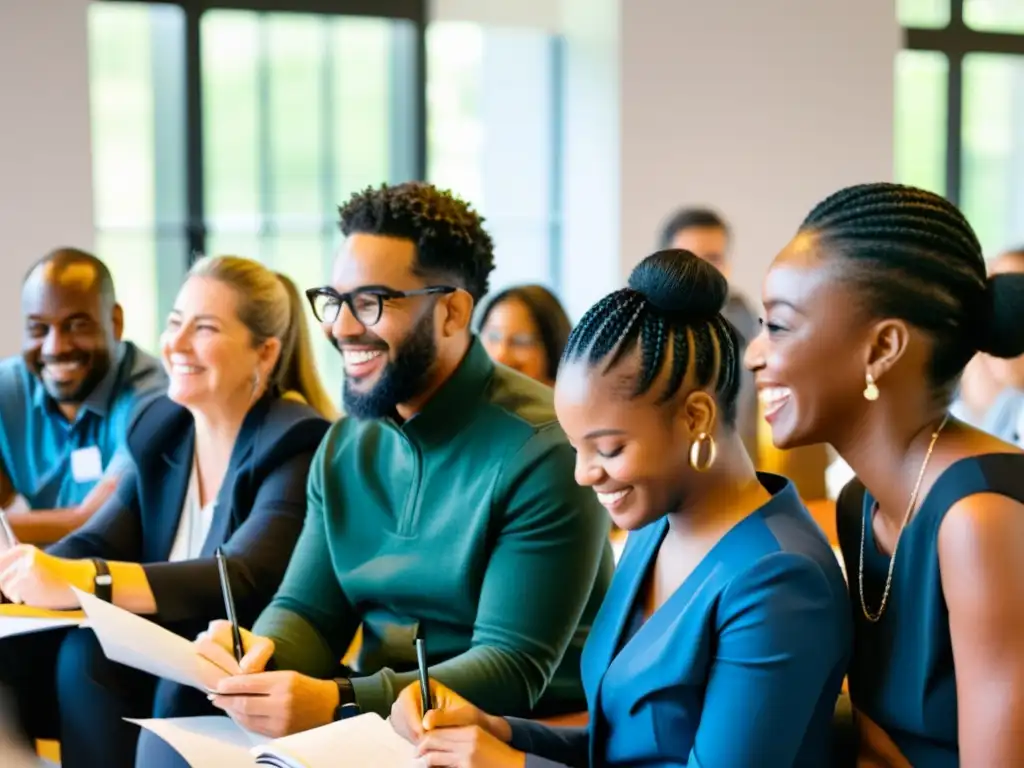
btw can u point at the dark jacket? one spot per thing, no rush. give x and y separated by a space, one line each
257 519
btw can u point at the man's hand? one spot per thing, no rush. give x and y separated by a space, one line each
32 577
277 704
217 645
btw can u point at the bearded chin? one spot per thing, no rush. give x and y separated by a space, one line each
402 380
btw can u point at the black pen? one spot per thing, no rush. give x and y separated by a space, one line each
229 604
421 663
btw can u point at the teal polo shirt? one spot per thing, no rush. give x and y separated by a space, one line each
51 461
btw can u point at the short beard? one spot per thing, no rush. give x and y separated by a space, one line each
100 366
402 379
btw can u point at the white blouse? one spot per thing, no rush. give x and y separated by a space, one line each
194 523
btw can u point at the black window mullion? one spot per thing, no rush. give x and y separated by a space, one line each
196 223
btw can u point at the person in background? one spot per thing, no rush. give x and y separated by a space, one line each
443 504
725 635
705 233
991 395
525 328
67 400
873 310
220 461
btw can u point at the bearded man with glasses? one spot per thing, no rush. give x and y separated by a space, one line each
443 505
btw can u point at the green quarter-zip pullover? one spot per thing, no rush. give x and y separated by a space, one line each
466 521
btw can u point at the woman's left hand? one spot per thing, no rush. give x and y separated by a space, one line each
467 747
30 576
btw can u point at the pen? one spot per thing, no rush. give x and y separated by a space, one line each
12 540
421 663
229 604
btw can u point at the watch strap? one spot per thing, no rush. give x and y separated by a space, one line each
102 583
347 706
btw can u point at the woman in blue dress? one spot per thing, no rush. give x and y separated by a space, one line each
873 310
725 635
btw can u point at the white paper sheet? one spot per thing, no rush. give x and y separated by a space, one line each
136 642
206 742
366 741
23 625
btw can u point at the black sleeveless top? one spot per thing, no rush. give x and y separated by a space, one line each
902 674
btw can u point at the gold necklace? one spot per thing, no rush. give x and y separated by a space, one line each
906 518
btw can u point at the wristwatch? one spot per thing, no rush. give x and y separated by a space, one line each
347 706
102 583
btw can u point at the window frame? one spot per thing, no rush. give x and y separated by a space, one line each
956 40
414 88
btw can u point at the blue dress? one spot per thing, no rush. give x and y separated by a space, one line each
902 674
741 666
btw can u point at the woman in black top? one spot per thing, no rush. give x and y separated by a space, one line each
873 310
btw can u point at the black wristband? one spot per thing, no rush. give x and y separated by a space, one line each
347 706
102 583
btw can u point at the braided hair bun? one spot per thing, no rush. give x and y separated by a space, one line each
671 311
680 284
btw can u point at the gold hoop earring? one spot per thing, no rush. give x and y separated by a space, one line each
870 388
695 451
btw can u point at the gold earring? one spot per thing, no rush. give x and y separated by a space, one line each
695 451
870 388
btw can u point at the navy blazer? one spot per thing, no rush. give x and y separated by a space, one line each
741 666
257 518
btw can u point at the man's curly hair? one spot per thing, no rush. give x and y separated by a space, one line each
449 235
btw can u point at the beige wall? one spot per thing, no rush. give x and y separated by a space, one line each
45 153
758 108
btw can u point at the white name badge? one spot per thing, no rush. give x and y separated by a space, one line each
86 464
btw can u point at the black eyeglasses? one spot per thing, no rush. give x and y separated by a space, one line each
366 304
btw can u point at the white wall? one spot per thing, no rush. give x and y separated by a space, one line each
535 14
756 108
45 150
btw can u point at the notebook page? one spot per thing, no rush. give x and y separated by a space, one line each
365 741
138 643
206 742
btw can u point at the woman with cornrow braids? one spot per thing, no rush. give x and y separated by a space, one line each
873 310
725 635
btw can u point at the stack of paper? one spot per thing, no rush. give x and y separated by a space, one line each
365 741
138 643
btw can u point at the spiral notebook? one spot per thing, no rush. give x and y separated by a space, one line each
366 741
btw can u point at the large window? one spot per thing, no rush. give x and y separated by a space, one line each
960 110
227 131
494 137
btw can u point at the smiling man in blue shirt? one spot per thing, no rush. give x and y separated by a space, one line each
66 401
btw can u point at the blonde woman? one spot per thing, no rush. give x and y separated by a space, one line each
219 462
